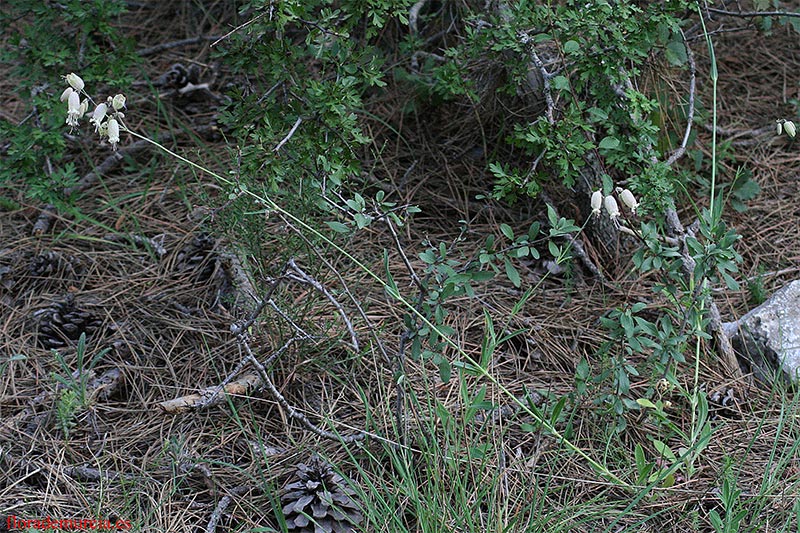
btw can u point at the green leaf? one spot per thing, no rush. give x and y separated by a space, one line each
609 143
561 83
555 251
643 468
338 227
731 283
676 52
644 402
507 231
664 450
512 273
571 47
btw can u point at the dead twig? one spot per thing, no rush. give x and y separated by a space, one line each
288 135
210 395
163 47
300 276
223 504
677 154
290 410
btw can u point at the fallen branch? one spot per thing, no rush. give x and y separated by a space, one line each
210 395
250 382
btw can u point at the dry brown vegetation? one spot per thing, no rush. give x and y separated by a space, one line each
165 320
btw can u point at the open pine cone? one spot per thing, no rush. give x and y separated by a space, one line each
198 257
320 501
64 322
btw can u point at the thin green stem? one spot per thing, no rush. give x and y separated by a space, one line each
714 75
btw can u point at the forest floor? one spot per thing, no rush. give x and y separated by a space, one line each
152 276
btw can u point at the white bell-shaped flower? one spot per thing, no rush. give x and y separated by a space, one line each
629 200
66 93
98 116
611 207
597 202
73 109
113 132
74 81
790 128
779 127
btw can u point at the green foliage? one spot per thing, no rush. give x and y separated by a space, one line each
48 41
593 52
733 510
74 397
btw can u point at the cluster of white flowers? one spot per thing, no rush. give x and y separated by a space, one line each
107 116
610 203
787 126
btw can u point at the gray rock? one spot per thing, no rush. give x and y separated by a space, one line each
767 339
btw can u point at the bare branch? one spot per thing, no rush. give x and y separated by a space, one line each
677 154
302 277
288 135
546 77
752 14
163 47
290 410
223 504
413 16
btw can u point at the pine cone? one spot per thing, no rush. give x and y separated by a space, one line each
320 501
198 256
65 322
178 77
51 264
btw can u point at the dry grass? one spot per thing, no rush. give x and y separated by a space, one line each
168 330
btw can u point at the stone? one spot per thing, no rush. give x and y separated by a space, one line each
767 339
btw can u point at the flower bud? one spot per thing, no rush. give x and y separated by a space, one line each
74 81
113 132
611 207
118 102
779 128
790 128
597 202
629 199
